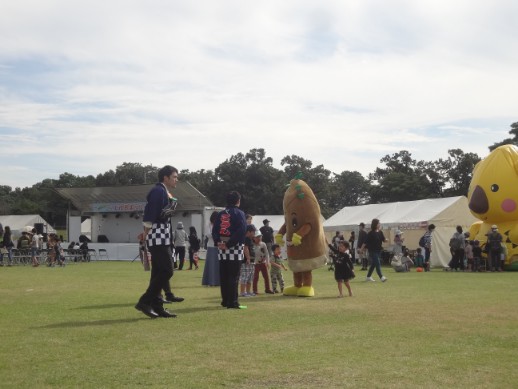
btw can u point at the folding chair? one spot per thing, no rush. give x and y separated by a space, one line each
103 253
91 254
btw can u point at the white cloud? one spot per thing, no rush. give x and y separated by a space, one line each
339 83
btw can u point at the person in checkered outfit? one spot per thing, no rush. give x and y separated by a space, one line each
229 232
157 233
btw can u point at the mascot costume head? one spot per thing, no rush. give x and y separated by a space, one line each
305 239
493 198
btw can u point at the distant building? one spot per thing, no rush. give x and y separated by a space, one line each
115 213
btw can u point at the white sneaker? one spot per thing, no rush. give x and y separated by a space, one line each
383 279
369 279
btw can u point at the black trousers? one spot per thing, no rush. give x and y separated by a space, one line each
161 273
229 281
180 252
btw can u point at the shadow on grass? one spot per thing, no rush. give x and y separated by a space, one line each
175 307
104 306
79 324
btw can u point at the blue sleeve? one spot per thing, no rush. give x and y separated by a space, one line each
215 230
156 200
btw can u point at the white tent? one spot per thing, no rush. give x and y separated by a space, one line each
276 221
17 223
413 218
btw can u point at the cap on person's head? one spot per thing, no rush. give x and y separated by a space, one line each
179 225
233 198
266 221
399 232
250 227
257 234
494 227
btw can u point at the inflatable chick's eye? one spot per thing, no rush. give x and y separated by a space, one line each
304 234
493 199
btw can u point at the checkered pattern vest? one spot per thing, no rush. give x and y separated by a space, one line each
235 253
159 235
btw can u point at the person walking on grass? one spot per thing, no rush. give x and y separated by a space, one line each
373 244
157 233
194 247
344 267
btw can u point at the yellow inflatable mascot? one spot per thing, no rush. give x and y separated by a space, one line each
305 239
493 198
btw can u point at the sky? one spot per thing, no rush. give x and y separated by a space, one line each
88 85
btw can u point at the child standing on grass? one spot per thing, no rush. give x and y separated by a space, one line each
468 254
477 255
344 268
419 258
277 267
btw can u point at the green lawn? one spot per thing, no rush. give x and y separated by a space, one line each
77 327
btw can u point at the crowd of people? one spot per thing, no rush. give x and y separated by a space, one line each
474 256
38 248
245 254
466 255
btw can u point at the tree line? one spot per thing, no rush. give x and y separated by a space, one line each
398 178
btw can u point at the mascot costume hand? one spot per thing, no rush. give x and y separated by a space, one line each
305 240
493 198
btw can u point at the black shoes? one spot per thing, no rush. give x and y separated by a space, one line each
153 313
173 299
146 310
163 300
165 313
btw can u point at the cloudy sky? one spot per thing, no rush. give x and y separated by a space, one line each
88 85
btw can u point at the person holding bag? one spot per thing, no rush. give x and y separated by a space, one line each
194 247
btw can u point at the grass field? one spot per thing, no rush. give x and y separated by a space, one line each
77 327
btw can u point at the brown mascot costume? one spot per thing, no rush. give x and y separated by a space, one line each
305 240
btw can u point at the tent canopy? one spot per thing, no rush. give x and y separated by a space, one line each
413 217
450 211
276 221
17 223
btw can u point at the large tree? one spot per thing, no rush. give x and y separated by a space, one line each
348 189
508 141
456 172
251 174
129 173
402 179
